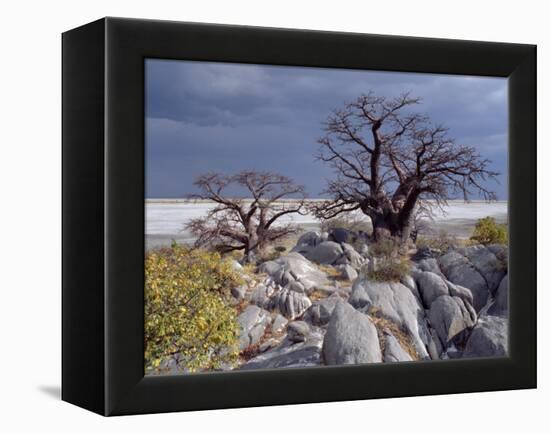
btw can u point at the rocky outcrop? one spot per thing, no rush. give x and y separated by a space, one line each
351 338
430 314
489 338
290 303
459 270
294 268
486 263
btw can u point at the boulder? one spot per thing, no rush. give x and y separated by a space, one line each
341 235
489 338
429 264
450 318
311 239
393 351
459 270
347 272
289 354
459 291
297 331
294 267
291 304
410 283
486 263
350 257
430 286
397 303
253 322
426 253
320 311
327 252
351 338
500 306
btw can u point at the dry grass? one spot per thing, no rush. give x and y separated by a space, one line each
381 323
317 295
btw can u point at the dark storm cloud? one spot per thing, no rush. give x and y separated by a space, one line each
227 117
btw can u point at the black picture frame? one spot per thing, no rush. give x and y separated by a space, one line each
103 215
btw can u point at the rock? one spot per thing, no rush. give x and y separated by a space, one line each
311 238
291 304
351 257
431 265
269 344
425 253
297 331
236 266
408 281
486 263
435 347
289 354
320 311
253 322
459 270
489 338
450 318
261 295
296 286
351 338
396 303
294 267
239 292
393 352
341 235
430 286
279 323
459 291
500 306
328 252
348 272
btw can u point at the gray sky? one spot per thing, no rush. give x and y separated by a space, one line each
206 116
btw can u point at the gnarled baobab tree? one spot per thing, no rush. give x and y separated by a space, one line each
250 223
389 160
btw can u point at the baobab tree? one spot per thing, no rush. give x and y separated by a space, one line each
247 223
389 161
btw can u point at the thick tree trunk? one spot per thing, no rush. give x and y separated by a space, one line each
389 226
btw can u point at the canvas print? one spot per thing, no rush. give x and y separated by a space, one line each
307 217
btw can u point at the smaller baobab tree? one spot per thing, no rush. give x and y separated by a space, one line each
390 162
248 223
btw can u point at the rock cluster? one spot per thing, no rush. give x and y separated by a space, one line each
451 305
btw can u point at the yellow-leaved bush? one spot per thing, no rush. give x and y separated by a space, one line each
488 231
188 315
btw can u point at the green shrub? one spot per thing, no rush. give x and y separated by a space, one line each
488 231
389 269
187 309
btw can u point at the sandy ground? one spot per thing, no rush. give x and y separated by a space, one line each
165 219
